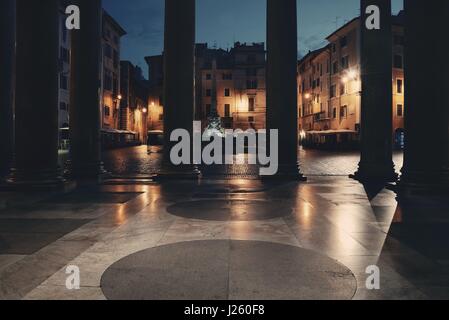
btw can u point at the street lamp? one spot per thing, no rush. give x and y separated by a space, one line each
117 102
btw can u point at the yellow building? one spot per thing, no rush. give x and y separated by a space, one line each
240 80
156 92
329 85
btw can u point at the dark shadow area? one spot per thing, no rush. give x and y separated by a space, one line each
27 236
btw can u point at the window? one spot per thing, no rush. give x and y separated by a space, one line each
63 81
64 55
208 92
333 91
343 112
108 51
227 92
116 59
334 48
399 86
107 80
343 42
251 58
334 113
342 89
335 67
250 119
345 62
400 110
251 84
227 76
251 104
208 109
62 106
398 61
227 110
115 87
208 76
107 111
161 117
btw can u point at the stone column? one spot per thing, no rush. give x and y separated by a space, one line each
7 80
426 159
178 79
85 93
37 85
281 82
376 164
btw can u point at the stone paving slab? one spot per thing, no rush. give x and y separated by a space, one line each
235 270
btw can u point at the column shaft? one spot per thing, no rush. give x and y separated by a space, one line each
7 81
85 86
37 85
178 73
376 162
426 159
281 82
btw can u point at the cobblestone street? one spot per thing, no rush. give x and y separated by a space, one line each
136 160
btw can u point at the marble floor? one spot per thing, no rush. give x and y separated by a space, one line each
225 239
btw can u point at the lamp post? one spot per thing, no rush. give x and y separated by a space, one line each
117 102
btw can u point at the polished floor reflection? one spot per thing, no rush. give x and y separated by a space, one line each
346 223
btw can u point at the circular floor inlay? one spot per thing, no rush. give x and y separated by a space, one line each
235 270
229 210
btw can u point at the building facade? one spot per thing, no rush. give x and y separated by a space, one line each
133 114
155 93
329 94
110 84
64 79
240 86
240 82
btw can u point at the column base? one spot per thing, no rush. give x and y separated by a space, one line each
182 172
287 173
87 173
368 173
35 182
416 184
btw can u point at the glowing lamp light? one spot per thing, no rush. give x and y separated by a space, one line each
119 97
352 74
307 96
349 76
144 110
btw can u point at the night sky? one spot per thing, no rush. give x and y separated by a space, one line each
222 22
